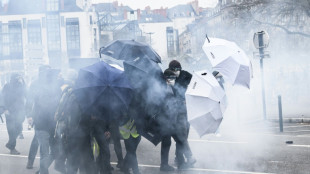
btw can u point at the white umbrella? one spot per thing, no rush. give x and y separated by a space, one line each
230 60
205 102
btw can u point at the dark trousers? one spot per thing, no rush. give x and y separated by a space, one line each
165 148
79 155
187 150
14 128
116 137
130 160
98 130
33 150
47 150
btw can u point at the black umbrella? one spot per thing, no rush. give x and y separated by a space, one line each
129 50
101 87
141 71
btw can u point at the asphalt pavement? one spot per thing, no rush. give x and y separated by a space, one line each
251 148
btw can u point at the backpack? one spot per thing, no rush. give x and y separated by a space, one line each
62 113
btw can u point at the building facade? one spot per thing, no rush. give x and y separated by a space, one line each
50 33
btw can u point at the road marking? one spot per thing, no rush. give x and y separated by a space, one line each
156 166
16 156
304 135
276 161
276 135
307 146
211 141
22 131
209 170
298 131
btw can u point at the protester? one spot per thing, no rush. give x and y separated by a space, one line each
46 99
14 94
182 81
35 86
174 123
132 139
73 129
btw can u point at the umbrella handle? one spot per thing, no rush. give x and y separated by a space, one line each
100 51
207 38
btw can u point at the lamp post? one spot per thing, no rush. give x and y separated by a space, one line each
261 41
150 33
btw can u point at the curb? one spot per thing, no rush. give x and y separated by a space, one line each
291 120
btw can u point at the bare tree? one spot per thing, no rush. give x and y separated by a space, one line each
292 16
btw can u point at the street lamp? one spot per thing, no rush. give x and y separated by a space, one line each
150 33
261 41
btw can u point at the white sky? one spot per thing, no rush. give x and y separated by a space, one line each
156 4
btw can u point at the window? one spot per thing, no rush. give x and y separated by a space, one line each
15 40
73 37
52 5
5 41
11 45
53 32
170 41
34 32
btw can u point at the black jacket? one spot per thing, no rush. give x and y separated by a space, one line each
14 95
44 98
181 84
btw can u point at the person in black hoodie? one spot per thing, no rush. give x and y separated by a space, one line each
14 94
32 92
46 99
174 126
182 81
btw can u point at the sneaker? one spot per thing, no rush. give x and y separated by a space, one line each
8 146
29 165
119 164
125 170
14 152
184 166
191 161
166 168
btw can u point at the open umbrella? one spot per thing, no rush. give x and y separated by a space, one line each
205 102
103 87
141 70
129 50
146 77
230 60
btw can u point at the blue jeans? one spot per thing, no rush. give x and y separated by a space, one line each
46 150
33 149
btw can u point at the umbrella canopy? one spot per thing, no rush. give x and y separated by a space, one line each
230 60
103 87
129 50
205 102
141 70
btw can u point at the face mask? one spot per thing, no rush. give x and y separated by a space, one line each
170 82
177 73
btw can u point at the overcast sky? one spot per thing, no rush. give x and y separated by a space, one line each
155 4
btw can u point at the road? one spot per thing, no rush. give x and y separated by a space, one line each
252 148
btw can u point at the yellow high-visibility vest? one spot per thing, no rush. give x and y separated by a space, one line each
129 129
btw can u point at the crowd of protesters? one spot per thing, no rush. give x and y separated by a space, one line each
70 137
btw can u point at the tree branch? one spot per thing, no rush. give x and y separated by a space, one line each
283 28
